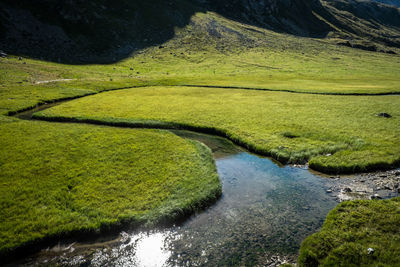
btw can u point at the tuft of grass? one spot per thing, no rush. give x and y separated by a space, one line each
337 134
350 230
61 179
290 135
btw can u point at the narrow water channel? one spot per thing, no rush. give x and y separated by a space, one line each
266 210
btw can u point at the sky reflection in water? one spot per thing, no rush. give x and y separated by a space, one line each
265 210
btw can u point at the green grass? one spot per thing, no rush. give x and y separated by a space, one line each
350 229
289 127
57 179
242 56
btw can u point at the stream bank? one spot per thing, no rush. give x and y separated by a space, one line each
266 210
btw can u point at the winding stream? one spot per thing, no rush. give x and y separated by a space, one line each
266 210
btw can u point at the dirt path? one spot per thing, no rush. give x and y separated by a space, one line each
51 81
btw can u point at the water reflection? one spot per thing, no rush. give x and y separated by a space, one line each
264 213
141 250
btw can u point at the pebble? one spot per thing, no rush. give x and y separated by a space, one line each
371 251
376 196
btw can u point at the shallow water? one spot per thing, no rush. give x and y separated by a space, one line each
266 210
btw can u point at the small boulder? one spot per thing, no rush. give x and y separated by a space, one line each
388 187
370 251
384 114
376 196
347 190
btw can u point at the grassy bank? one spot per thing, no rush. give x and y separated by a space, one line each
337 134
350 230
56 179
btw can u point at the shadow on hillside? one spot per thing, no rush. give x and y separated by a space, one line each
82 32
107 31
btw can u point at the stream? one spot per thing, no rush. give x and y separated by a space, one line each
265 212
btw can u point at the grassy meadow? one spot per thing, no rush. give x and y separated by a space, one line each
350 229
335 134
233 55
57 179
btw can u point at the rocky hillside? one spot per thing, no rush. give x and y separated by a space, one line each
79 31
389 2
355 20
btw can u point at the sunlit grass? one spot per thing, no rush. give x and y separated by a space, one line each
59 178
336 133
350 230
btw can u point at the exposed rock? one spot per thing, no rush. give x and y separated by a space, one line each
376 196
365 47
347 190
385 115
388 187
371 251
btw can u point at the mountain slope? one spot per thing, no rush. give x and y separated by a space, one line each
107 31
